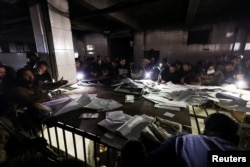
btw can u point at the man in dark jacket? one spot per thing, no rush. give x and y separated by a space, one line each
29 91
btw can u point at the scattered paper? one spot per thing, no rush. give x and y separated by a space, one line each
78 101
168 114
133 127
116 116
161 101
89 115
129 98
58 103
103 104
167 107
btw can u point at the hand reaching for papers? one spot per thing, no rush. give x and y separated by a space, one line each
63 82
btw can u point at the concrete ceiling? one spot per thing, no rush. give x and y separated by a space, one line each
126 16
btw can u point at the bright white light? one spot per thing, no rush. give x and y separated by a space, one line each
229 34
90 47
160 65
147 75
79 76
241 84
230 87
76 55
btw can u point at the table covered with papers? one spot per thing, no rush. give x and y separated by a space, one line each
87 106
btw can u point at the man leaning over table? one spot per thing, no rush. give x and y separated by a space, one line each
30 93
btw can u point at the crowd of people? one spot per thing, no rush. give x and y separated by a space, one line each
22 92
27 86
223 70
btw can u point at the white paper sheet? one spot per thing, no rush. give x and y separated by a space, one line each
79 101
103 104
129 98
168 114
89 115
163 101
167 107
134 126
116 116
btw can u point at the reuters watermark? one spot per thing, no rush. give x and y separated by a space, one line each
229 158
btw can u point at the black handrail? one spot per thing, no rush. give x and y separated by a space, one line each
85 135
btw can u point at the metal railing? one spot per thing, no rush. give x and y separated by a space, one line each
69 142
72 143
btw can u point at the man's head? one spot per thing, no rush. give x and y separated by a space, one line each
106 59
172 68
210 68
122 61
229 67
41 67
178 64
77 63
25 76
222 126
144 62
236 59
114 63
186 66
